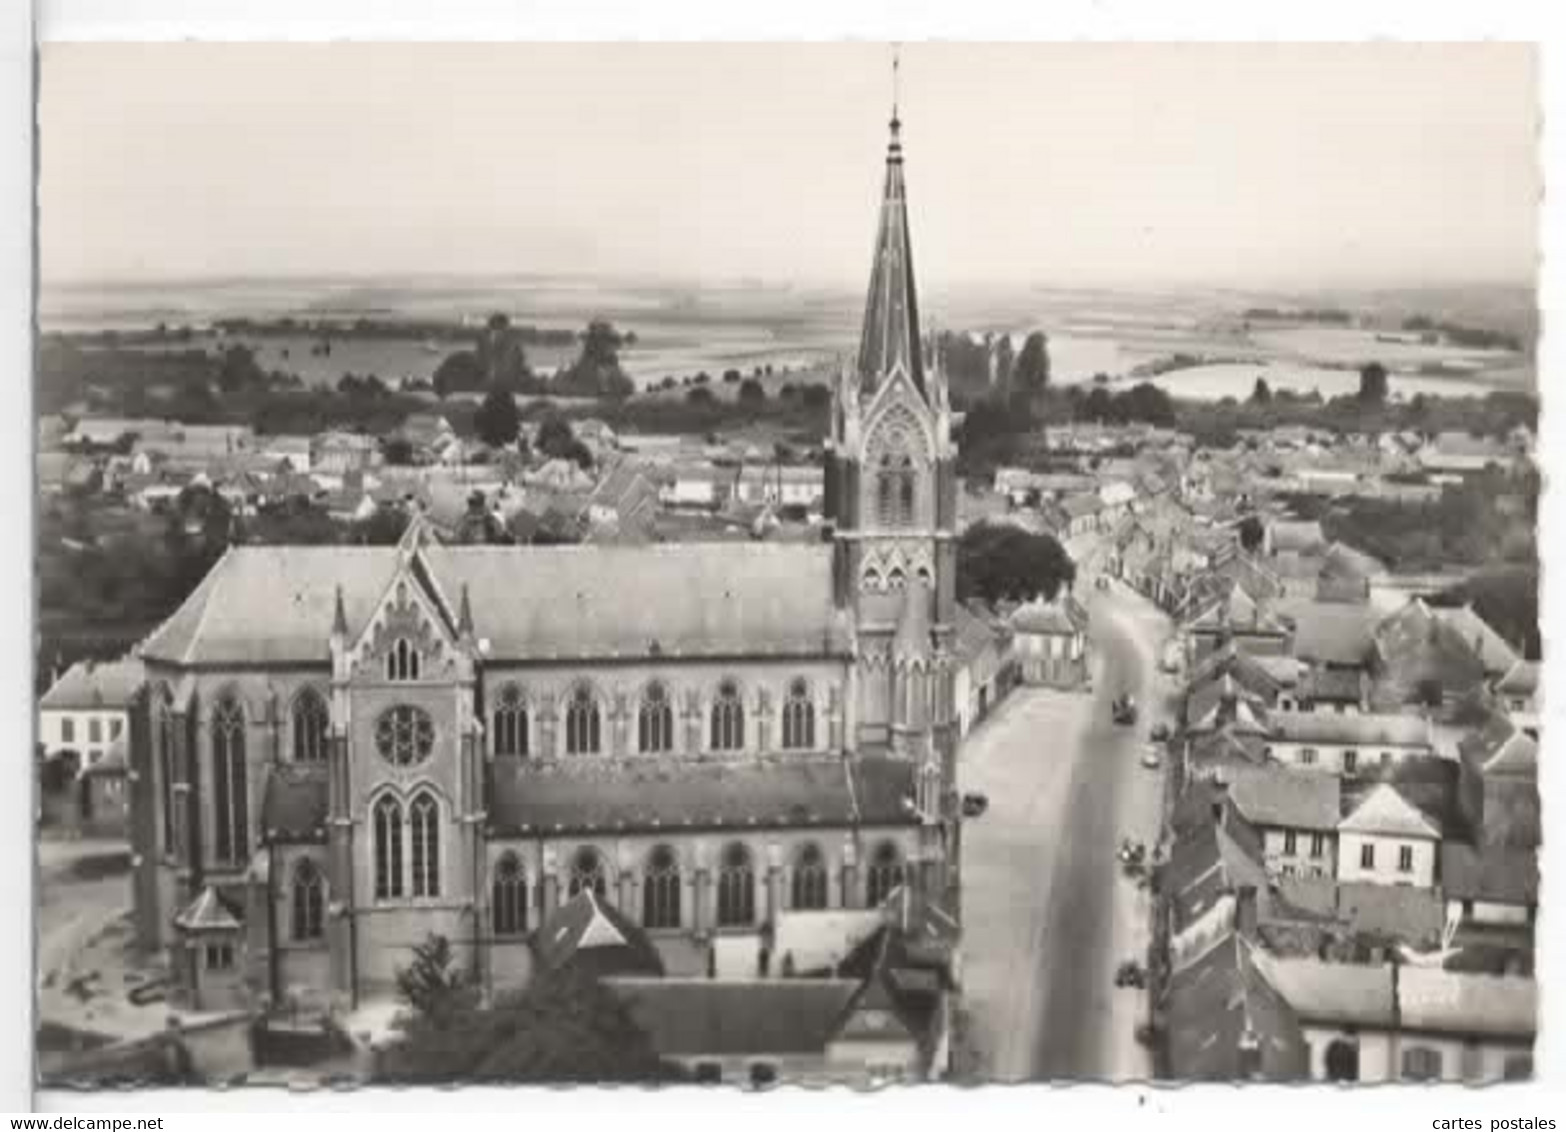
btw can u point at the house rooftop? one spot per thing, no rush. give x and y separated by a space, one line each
1283 798
93 686
1360 730
724 1018
649 795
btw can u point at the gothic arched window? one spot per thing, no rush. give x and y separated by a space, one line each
424 832
655 721
510 723
309 893
884 875
736 888
230 800
387 821
809 886
508 897
402 661
582 723
311 723
165 718
588 873
896 490
728 718
799 718
661 890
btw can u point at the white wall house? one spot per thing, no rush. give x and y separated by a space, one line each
1409 1023
1387 840
1347 744
87 709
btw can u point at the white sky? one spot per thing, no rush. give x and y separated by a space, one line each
1056 164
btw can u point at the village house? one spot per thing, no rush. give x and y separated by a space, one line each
1518 693
624 498
87 708
1297 816
985 666
1460 454
1494 651
1050 641
781 485
1403 1022
1419 660
296 451
102 802
338 453
1347 744
1386 839
698 486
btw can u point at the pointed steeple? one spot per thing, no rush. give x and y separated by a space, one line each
465 615
339 617
891 331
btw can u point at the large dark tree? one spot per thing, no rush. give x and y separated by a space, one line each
555 438
998 561
1252 533
461 372
566 1028
1262 393
501 356
1373 384
1030 373
751 393
596 371
497 421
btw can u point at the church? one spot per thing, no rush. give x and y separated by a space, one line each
339 751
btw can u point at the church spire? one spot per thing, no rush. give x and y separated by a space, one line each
891 331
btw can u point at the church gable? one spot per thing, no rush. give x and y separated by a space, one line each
409 637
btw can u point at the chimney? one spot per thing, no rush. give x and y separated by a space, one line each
1245 910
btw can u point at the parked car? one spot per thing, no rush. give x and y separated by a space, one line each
1150 759
1160 732
1130 974
974 805
1124 709
1101 582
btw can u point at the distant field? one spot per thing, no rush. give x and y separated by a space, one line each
685 329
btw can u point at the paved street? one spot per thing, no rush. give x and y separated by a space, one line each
1047 913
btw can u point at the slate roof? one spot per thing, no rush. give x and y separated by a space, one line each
1063 616
1334 993
1500 747
1452 1002
207 912
1362 730
1491 873
1332 685
275 603
680 794
1405 913
86 686
1497 656
1209 860
1297 535
706 1017
1219 1003
1282 798
1521 680
587 933
1329 632
1385 811
1414 645
294 804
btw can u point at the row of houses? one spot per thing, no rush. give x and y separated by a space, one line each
1352 880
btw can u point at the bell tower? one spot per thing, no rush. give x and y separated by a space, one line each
891 508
